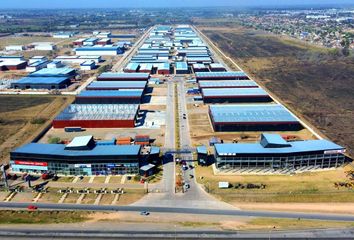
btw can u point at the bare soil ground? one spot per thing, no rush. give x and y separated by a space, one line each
201 129
16 115
315 82
308 187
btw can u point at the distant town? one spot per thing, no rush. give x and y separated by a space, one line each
332 28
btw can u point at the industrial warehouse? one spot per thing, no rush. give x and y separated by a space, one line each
231 95
111 76
248 117
116 85
46 78
228 84
83 156
274 152
221 76
98 116
119 102
110 96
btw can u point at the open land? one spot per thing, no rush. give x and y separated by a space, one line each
105 220
315 83
23 117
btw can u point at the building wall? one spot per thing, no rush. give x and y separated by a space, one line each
40 86
283 162
103 167
94 123
163 72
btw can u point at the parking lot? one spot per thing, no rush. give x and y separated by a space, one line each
110 190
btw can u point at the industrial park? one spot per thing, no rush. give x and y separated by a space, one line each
158 120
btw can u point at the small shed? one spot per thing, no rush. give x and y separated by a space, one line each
147 170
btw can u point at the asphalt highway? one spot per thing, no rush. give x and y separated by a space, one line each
16 233
248 213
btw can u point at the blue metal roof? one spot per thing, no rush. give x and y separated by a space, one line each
181 66
117 84
294 147
251 113
42 80
124 75
57 72
228 83
38 63
220 74
233 92
273 140
59 150
202 149
112 93
116 48
132 66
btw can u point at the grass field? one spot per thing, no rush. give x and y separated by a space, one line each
301 188
314 82
41 217
19 117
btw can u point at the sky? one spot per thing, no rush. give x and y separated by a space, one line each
157 3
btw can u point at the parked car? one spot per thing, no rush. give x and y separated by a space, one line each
32 207
144 213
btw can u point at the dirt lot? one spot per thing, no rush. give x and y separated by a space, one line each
18 115
314 82
201 129
306 187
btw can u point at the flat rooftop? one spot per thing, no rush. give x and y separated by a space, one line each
59 150
228 84
122 76
234 92
251 113
125 93
58 72
99 112
114 85
220 74
234 149
41 80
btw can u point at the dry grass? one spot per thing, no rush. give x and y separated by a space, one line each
305 187
41 217
16 113
313 82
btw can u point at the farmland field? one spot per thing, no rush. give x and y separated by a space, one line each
21 117
314 82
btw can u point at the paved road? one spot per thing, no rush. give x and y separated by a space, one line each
118 67
187 210
127 234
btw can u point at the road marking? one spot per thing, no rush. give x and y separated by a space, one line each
76 179
8 198
106 181
62 199
91 179
116 199
124 177
81 197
